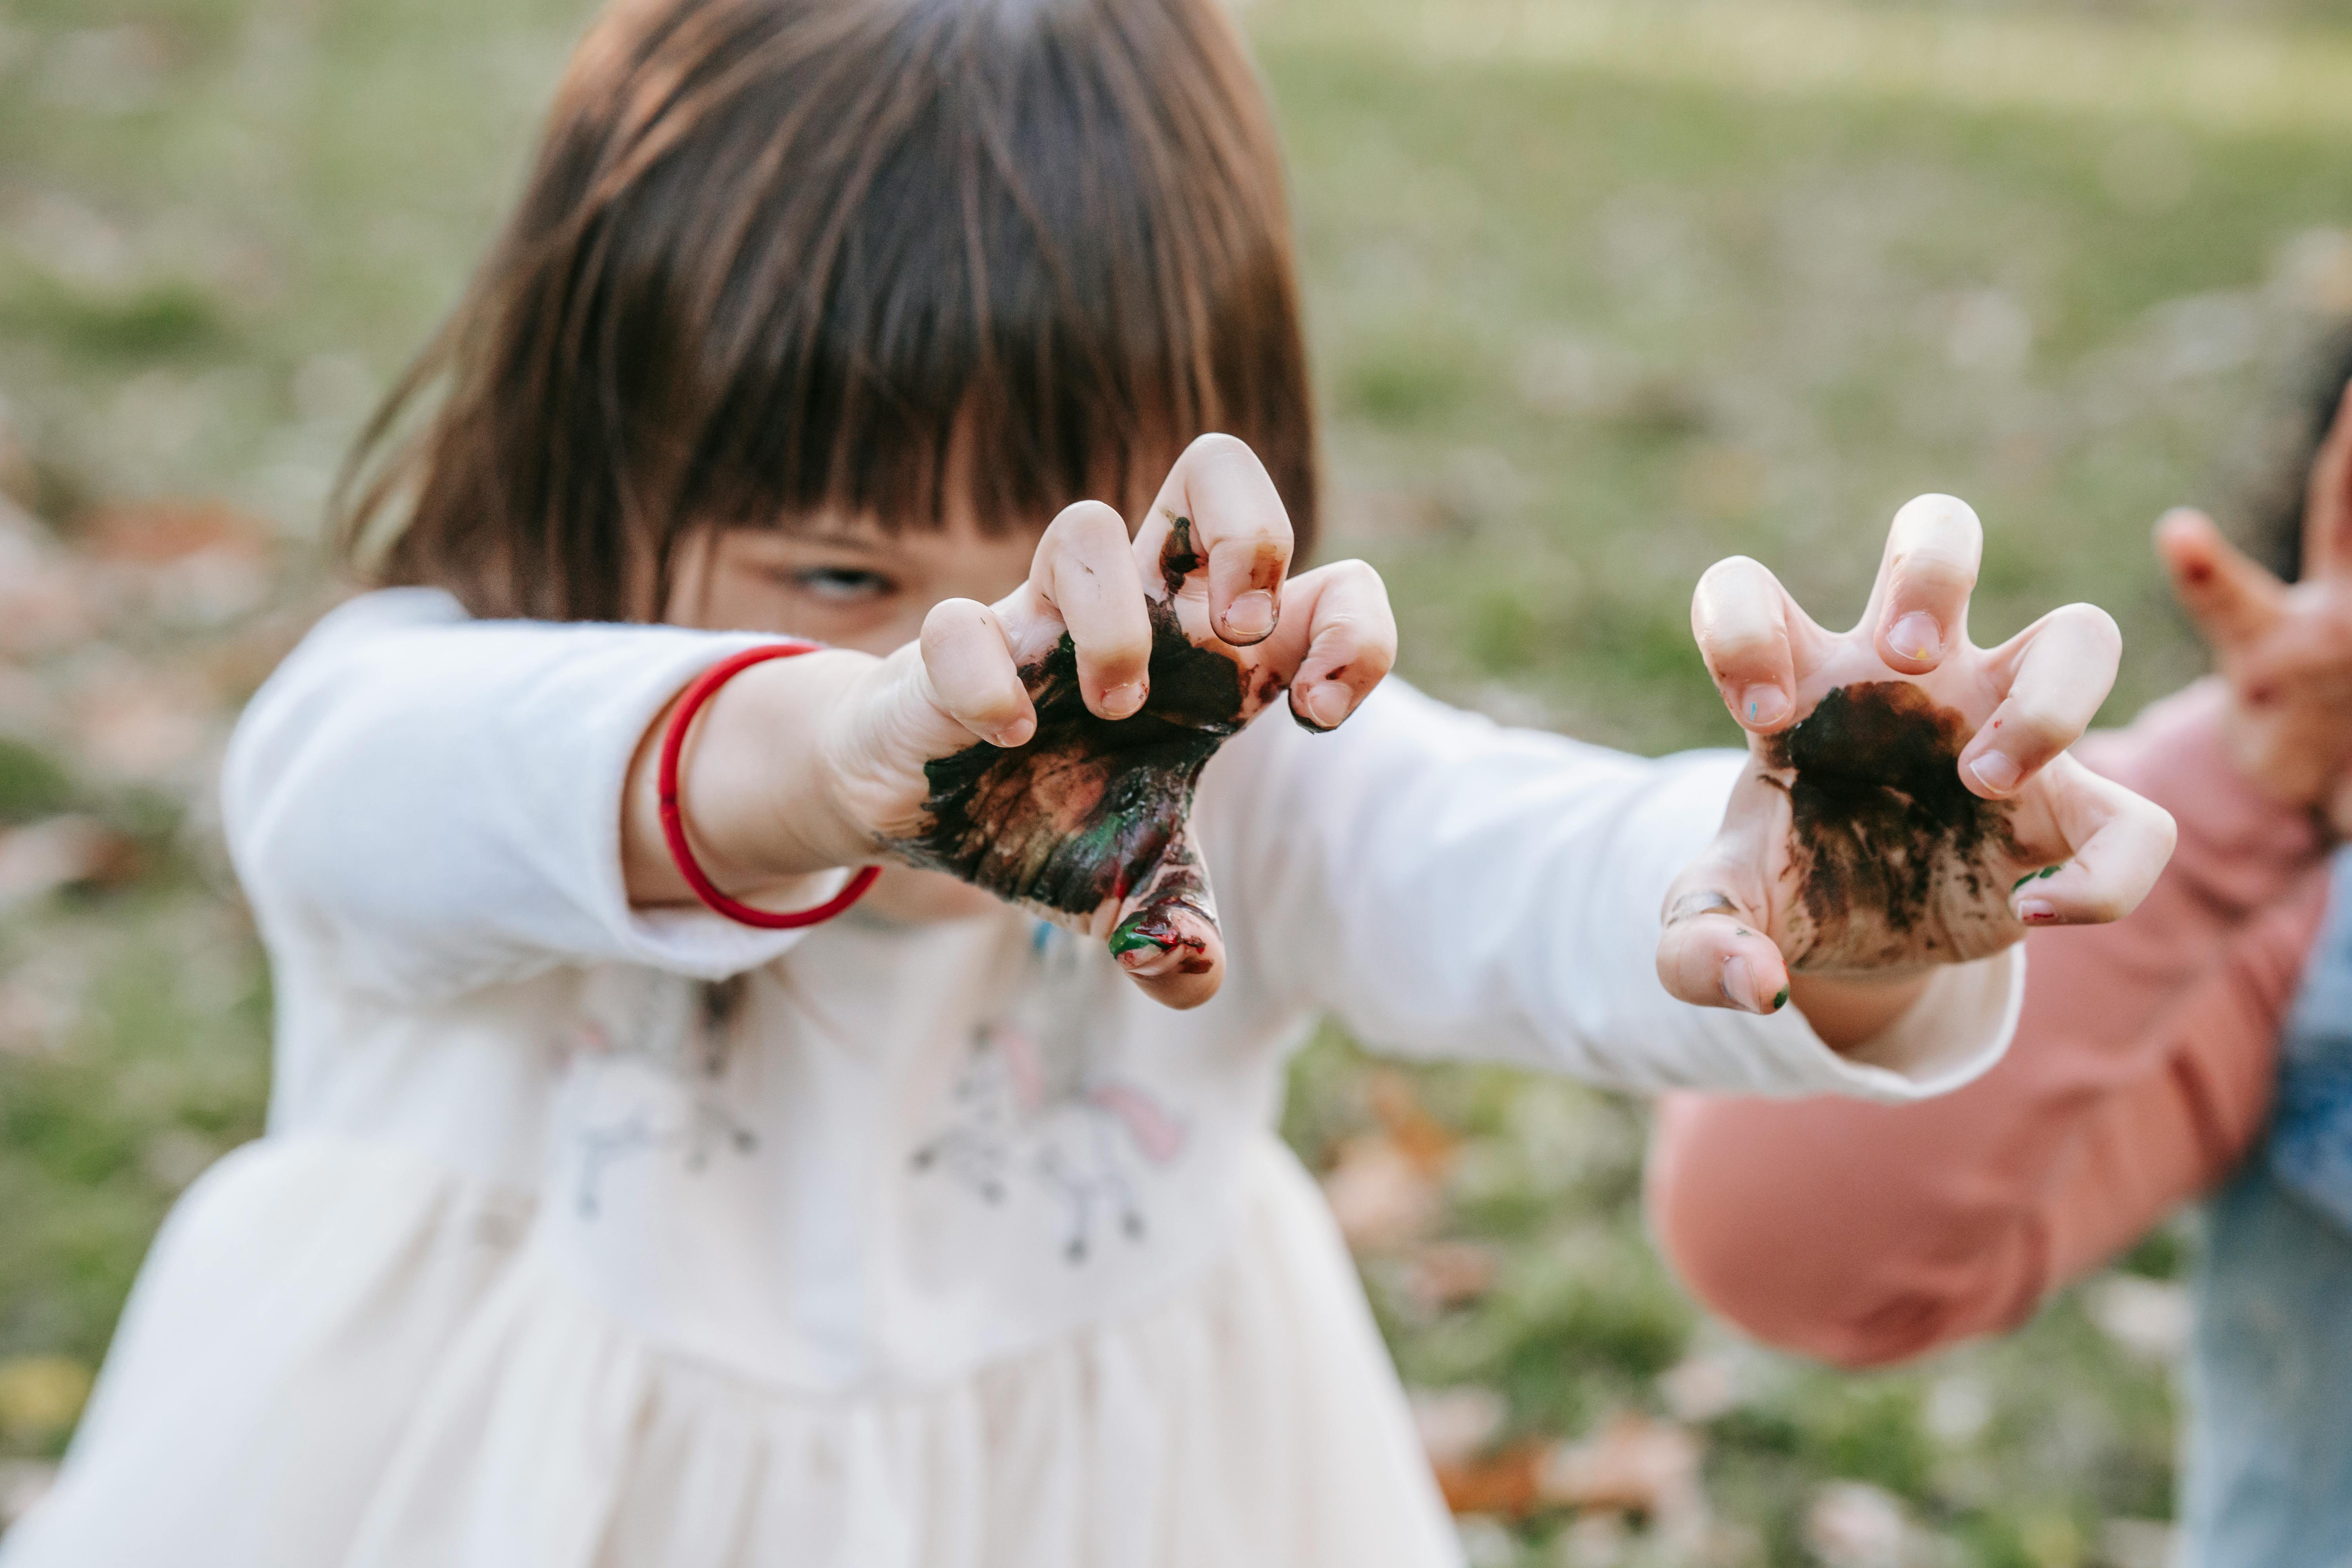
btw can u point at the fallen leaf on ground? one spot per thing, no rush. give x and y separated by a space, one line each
205 562
62 852
1635 1463
1501 1483
143 723
44 604
1383 1198
1456 1423
1450 1273
1418 1135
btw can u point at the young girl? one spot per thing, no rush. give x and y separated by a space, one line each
603 1219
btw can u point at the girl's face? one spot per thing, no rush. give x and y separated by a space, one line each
844 582
850 583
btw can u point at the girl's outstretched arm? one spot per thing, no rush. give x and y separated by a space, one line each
428 803
1449 885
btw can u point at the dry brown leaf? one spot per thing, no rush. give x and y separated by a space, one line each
1455 1424
62 852
1418 1135
205 562
1635 1463
1450 1273
44 604
143 723
1505 1483
1383 1198
156 534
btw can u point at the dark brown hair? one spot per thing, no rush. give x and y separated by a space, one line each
781 256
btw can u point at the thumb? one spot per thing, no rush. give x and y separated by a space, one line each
1712 953
1166 937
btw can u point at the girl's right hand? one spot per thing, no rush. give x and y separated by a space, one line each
1044 747
2285 650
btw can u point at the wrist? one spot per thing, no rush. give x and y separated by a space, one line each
761 796
1849 1012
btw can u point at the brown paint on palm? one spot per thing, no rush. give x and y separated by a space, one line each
1093 814
1894 862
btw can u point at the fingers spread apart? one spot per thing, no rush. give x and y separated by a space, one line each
2055 674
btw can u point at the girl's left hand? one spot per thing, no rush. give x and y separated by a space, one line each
1907 800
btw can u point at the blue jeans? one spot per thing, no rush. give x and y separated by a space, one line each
2270 1432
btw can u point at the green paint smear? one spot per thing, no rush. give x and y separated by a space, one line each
1128 939
1781 1000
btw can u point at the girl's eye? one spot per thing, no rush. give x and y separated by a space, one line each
844 585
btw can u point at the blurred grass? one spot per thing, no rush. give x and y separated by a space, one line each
1600 292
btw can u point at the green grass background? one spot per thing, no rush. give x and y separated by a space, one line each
1599 291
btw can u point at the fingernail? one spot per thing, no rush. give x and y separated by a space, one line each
1765 705
1327 703
1996 772
1739 986
1120 701
1251 616
1916 636
2036 911
1016 733
1131 938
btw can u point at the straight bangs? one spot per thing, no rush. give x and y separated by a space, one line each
782 258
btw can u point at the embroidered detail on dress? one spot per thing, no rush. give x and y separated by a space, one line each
680 1030
705 1128
1030 1105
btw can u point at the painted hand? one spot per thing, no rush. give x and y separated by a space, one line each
1907 799
1045 748
2285 651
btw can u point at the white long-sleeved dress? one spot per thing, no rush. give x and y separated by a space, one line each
931 1245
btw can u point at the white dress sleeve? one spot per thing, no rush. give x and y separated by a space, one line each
1448 886
429 804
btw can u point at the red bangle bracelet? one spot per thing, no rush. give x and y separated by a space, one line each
673 819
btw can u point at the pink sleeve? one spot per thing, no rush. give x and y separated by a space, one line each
2141 1070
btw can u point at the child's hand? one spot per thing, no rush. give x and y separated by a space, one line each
1045 748
2285 651
1907 800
